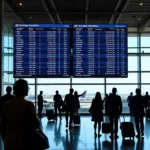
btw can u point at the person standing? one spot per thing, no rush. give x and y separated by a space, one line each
147 99
40 104
57 104
114 109
77 103
97 114
138 105
7 97
129 100
70 107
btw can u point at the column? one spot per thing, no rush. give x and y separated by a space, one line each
2 46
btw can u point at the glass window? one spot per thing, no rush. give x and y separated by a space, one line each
8 78
132 40
87 80
29 80
145 63
31 93
133 63
145 50
145 88
122 90
145 77
132 78
145 40
53 80
132 50
6 64
91 90
10 63
49 90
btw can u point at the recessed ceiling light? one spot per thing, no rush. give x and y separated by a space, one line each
20 4
141 4
30 17
139 19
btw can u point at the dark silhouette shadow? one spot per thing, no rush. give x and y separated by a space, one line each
127 144
97 145
50 126
140 144
107 144
57 133
147 129
70 142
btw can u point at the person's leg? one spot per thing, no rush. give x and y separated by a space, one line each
67 113
111 123
142 125
71 119
40 111
137 125
95 127
99 128
116 126
59 112
55 107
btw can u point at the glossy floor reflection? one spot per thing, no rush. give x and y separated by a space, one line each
82 138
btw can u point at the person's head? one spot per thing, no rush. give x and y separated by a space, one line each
98 96
106 95
75 93
20 88
71 91
41 92
114 90
131 93
146 93
110 94
138 91
57 92
8 89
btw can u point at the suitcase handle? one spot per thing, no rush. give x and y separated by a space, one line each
123 118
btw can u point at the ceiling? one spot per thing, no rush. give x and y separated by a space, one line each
78 11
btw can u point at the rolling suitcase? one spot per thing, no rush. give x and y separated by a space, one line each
76 119
106 128
50 114
127 129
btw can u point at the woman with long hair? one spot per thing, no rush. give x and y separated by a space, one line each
97 114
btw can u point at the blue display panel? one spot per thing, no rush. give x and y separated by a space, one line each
100 50
41 50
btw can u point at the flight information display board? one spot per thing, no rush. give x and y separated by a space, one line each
100 50
41 50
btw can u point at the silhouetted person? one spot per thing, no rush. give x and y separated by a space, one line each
14 120
146 99
4 99
138 112
70 107
129 100
77 103
40 104
114 108
97 114
57 104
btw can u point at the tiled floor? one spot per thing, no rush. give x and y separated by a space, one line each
82 138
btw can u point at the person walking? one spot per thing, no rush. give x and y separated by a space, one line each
97 114
138 105
57 104
129 100
114 109
70 107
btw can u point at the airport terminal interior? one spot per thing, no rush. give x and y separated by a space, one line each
72 16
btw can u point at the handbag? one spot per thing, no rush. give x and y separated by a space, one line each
34 138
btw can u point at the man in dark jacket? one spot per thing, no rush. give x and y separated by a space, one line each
70 107
147 99
129 100
57 103
138 105
114 109
4 99
40 104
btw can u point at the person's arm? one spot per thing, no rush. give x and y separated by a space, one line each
35 123
81 94
120 105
